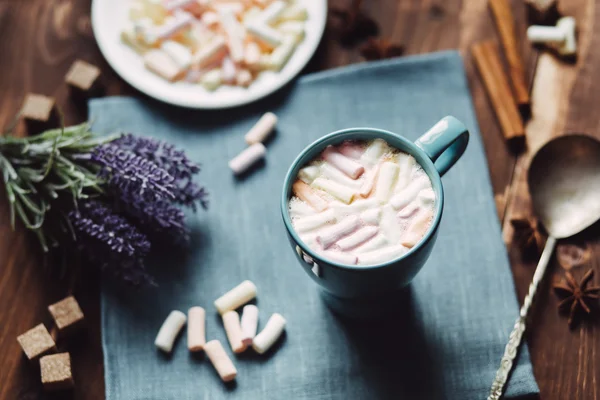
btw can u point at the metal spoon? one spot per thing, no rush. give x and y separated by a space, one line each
564 183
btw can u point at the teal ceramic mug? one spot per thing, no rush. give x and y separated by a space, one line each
367 290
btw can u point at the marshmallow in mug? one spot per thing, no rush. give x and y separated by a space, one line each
362 203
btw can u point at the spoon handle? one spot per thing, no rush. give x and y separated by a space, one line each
514 341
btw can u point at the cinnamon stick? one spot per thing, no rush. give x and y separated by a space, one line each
487 60
506 28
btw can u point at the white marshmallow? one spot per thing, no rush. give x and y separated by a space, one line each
357 238
342 258
180 54
427 197
213 51
233 329
369 182
269 335
272 12
228 70
212 79
546 34
382 255
374 151
410 193
161 64
371 216
235 35
247 158
567 25
295 12
262 129
307 224
299 208
386 180
282 53
306 193
210 18
249 323
295 29
389 224
378 242
343 163
252 55
406 163
335 189
264 33
330 235
196 333
243 78
308 174
356 206
338 176
182 20
220 360
176 4
236 297
128 37
169 330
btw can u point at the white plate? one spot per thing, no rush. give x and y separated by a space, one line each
110 16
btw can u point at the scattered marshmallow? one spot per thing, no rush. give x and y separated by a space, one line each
220 360
212 79
272 12
169 330
233 329
249 323
181 55
236 297
196 336
546 34
213 51
269 335
262 129
282 53
265 34
243 78
247 158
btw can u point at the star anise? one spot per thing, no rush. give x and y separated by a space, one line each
380 48
354 25
572 255
576 295
527 235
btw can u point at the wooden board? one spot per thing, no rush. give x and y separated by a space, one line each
39 39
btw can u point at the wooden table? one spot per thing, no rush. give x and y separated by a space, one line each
39 39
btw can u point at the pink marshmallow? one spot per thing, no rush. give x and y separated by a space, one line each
228 70
357 238
351 150
343 163
330 235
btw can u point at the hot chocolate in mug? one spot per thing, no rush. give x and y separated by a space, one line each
369 290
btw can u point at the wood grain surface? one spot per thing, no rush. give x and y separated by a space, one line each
39 39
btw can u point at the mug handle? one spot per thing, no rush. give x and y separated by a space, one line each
444 143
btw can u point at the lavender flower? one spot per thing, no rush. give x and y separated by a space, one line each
174 162
110 241
131 173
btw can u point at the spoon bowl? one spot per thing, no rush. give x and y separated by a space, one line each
564 182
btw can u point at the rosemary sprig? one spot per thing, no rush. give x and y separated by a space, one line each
38 170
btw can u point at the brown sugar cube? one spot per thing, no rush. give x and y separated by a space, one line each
84 79
56 372
36 342
67 314
39 113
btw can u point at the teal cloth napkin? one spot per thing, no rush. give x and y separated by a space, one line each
447 341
